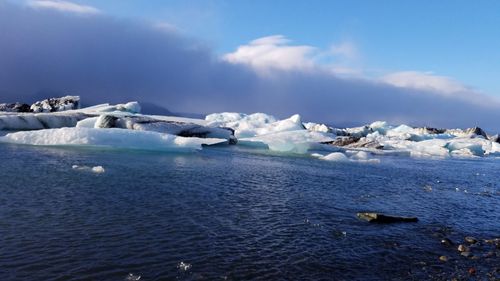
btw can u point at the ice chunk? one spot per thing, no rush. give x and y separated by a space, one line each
380 127
335 156
317 127
360 157
256 124
113 138
130 107
95 169
31 121
87 122
298 141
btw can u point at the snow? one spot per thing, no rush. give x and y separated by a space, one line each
112 138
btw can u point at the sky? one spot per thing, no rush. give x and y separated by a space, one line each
419 62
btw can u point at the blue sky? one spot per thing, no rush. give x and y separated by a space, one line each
458 39
432 63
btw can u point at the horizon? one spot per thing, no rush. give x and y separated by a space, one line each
209 56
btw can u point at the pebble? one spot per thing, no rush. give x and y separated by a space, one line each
465 254
470 240
462 248
443 258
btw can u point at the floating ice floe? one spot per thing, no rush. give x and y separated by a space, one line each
95 169
111 138
349 156
246 126
298 141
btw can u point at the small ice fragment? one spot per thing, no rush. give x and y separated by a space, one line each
98 169
132 277
184 266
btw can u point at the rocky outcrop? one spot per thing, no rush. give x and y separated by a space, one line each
14 107
56 104
433 131
476 131
355 142
45 106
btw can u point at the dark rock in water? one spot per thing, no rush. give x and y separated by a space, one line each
14 107
462 248
476 131
465 254
470 240
443 258
382 218
56 104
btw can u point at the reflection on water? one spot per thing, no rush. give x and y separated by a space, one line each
223 214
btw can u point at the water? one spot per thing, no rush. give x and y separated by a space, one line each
229 214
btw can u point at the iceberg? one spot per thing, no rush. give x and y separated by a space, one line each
246 126
109 138
60 122
348 156
298 141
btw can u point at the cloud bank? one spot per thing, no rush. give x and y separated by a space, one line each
45 52
63 6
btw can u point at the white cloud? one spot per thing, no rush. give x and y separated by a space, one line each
273 52
346 49
269 54
276 52
166 26
63 6
425 81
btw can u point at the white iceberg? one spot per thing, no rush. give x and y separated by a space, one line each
298 141
256 124
349 156
111 138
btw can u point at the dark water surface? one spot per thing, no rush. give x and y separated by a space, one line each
239 215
